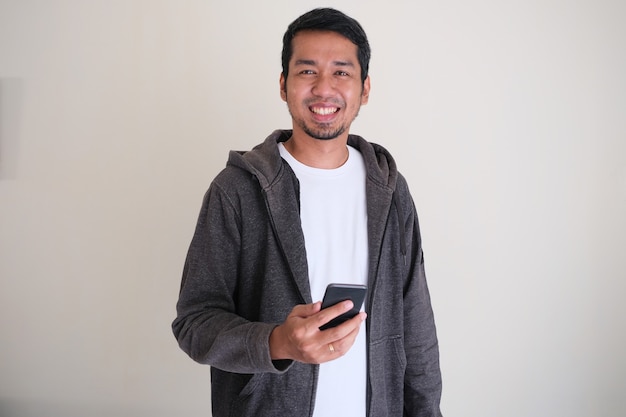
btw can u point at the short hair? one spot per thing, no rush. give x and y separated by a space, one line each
327 19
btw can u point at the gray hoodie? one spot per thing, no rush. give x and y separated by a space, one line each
246 269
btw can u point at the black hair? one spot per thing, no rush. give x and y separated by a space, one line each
327 19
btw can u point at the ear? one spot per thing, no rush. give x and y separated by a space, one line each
365 95
283 87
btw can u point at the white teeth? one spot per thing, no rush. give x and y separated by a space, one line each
324 111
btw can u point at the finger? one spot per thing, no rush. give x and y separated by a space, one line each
340 347
306 310
345 329
330 313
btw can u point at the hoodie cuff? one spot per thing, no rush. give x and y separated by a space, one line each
259 350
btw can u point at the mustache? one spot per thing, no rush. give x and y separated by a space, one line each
317 100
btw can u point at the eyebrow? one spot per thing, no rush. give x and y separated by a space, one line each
312 63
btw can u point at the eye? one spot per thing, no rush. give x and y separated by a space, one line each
342 73
307 72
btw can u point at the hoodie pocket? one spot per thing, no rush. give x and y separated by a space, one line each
240 405
390 347
388 365
250 387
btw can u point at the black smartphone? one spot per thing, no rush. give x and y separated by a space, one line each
335 293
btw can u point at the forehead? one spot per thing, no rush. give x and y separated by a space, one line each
322 45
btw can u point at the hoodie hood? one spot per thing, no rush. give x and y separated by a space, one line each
265 163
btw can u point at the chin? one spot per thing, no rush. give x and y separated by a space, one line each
329 135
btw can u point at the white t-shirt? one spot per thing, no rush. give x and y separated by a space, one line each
333 213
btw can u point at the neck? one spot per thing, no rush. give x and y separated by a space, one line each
316 153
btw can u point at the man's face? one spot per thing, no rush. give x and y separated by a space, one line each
323 90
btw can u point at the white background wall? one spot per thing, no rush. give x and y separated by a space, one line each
507 117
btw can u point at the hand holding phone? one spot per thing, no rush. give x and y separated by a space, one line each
336 293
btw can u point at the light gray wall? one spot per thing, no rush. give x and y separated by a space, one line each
507 117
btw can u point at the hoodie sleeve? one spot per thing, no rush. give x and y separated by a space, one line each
207 327
422 384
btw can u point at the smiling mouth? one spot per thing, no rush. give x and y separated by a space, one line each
324 111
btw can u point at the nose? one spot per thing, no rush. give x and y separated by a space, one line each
323 85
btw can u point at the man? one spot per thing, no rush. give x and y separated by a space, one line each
307 207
